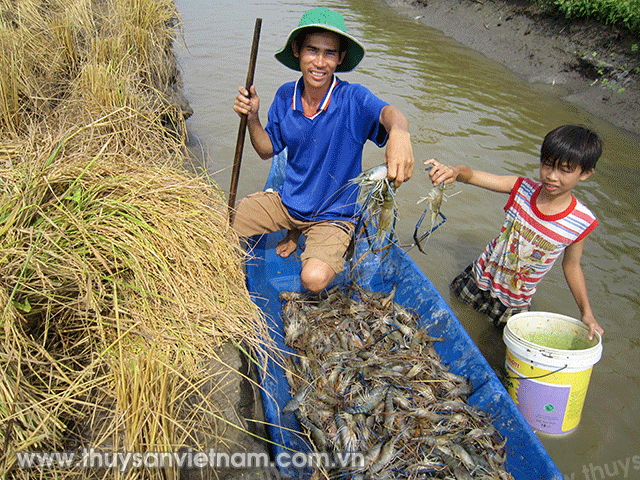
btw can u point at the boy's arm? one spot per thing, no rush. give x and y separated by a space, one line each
575 279
462 173
399 152
248 103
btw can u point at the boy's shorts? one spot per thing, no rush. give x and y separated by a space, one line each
263 212
467 290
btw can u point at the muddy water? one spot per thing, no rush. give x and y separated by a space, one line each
462 108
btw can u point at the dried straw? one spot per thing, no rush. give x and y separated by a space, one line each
119 273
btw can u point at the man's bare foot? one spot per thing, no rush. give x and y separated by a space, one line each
288 244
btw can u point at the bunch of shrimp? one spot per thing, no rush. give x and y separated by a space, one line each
378 205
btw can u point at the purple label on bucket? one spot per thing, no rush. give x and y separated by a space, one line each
543 405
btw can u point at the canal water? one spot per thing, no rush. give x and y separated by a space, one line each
462 108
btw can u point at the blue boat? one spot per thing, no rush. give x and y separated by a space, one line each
268 274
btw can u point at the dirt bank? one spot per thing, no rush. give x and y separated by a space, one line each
589 64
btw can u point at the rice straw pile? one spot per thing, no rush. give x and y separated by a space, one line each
119 274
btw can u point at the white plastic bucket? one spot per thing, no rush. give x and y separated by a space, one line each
548 362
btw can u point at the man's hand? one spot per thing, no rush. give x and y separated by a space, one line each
399 152
399 156
247 102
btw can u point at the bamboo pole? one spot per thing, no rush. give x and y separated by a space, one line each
243 123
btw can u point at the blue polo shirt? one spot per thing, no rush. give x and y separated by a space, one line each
325 150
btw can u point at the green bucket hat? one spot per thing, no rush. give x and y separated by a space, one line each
331 21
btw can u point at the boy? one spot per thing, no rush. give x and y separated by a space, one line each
543 220
324 122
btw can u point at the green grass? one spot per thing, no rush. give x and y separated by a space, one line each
619 13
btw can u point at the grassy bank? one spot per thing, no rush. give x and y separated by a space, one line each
119 274
618 13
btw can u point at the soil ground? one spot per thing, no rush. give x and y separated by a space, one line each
590 64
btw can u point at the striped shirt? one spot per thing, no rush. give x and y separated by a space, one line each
528 245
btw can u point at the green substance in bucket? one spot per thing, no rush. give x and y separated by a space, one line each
558 340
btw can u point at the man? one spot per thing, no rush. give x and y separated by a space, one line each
324 122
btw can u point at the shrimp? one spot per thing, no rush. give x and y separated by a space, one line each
387 212
346 431
371 182
434 203
316 433
387 452
375 398
297 399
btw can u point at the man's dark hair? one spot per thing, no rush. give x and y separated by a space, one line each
572 145
302 34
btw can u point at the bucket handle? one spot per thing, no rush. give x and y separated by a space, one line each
506 374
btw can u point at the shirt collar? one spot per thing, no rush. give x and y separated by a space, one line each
297 97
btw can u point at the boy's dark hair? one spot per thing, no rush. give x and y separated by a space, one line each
574 145
299 40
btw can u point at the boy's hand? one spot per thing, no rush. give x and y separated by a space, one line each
247 102
590 321
441 173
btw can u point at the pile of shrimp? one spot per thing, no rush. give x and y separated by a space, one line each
367 385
